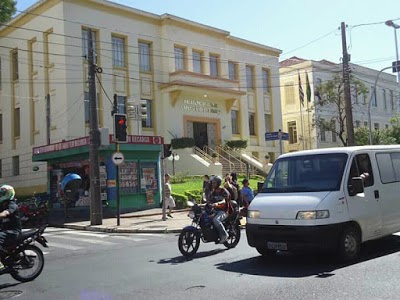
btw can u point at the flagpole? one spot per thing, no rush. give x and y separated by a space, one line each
309 125
302 126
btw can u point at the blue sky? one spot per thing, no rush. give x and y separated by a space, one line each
292 24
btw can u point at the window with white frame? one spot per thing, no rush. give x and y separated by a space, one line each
235 121
17 122
250 77
121 104
85 40
322 131
197 62
146 113
118 51
289 93
233 73
214 65
292 130
252 123
179 58
15 165
384 99
144 57
265 80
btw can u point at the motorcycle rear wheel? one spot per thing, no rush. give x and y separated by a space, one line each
188 242
234 236
28 258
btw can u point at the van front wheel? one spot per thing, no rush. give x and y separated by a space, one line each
349 243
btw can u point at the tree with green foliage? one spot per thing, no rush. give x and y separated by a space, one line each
379 137
331 100
7 10
395 130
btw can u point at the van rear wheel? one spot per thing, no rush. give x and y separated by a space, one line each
350 243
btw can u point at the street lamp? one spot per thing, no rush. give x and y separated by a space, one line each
395 26
173 157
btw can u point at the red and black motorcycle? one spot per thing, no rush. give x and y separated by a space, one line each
33 212
203 228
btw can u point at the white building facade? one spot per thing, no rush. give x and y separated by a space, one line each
298 120
188 80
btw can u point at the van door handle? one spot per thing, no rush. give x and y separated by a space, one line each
376 192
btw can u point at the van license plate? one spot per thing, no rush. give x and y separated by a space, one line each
277 246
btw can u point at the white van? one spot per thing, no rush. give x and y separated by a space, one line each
332 199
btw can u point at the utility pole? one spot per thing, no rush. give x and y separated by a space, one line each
347 94
48 123
96 217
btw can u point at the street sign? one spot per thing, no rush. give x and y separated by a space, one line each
117 158
274 136
396 66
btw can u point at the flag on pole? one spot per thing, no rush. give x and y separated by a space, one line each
308 88
301 93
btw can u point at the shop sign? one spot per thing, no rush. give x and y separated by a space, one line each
150 197
85 141
142 139
200 106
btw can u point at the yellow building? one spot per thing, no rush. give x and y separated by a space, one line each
186 78
298 119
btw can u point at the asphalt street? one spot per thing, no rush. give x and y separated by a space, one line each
88 265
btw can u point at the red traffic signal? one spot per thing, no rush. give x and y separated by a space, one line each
120 128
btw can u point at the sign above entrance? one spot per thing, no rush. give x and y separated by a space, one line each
65 145
117 158
200 106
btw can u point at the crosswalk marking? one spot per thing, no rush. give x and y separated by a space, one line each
64 246
98 235
127 238
98 242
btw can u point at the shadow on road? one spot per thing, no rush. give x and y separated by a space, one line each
320 266
182 259
8 285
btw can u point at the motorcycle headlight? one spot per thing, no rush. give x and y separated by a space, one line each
191 215
255 214
312 214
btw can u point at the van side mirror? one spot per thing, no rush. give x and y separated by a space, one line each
356 186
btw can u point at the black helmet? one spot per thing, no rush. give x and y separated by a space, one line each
216 179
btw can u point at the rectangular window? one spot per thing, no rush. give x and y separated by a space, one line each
362 164
289 93
118 51
334 136
292 130
322 131
14 67
376 126
146 113
233 73
144 57
179 59
387 126
17 122
121 104
267 120
214 65
252 123
358 123
386 168
85 38
1 128
250 77
265 79
235 121
197 62
384 99
1 168
15 165
365 124
374 102
1 79
355 96
391 100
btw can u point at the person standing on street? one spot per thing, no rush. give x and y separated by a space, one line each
247 193
267 164
169 200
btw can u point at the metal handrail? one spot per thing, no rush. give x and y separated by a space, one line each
208 149
202 154
231 157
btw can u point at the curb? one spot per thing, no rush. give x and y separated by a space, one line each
154 214
122 230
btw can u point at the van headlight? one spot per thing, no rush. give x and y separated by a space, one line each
255 214
312 214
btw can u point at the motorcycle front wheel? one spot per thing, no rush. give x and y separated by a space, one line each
28 263
234 236
188 242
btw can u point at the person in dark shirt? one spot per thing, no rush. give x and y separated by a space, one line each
9 217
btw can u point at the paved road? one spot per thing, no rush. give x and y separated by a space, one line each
85 265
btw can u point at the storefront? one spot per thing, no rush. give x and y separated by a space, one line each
140 181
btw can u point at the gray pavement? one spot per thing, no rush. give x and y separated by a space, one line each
149 221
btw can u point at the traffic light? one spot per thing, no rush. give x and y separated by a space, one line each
120 126
167 150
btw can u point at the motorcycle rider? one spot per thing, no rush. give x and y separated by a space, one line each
9 216
219 198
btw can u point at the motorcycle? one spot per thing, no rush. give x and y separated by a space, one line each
34 213
23 260
203 228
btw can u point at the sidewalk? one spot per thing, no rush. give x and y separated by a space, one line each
149 221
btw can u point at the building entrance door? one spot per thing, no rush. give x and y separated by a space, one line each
200 134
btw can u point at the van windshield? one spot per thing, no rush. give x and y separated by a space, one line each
307 173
